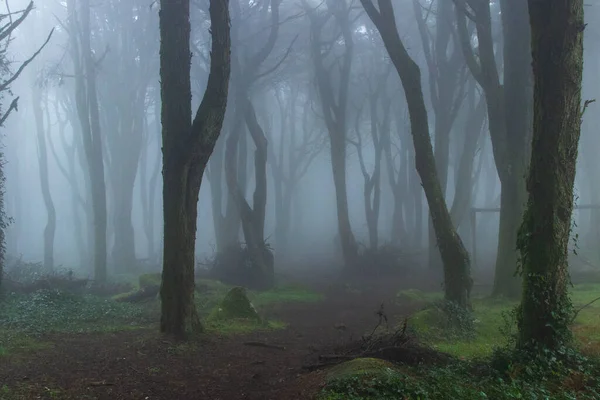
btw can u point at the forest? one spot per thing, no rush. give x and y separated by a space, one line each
299 199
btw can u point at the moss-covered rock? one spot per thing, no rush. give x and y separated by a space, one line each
150 280
363 367
235 305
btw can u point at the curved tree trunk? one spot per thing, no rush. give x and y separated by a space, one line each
557 49
457 278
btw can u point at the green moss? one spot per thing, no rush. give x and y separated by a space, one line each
491 325
150 280
418 296
235 305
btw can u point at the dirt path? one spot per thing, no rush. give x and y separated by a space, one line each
143 365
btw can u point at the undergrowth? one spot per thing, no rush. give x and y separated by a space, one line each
529 379
487 366
24 318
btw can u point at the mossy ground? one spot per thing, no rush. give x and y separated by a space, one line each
25 319
492 319
480 372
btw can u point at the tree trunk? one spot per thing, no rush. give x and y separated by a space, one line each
87 108
518 100
187 146
557 50
457 278
334 110
464 177
50 229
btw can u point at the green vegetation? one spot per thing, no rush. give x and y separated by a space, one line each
495 324
486 366
467 381
25 317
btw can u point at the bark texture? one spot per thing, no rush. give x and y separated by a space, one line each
187 147
557 50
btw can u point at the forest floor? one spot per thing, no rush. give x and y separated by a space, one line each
141 364
56 345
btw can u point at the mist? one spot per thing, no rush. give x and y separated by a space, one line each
344 154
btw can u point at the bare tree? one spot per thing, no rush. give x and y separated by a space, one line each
447 74
85 73
372 180
42 125
296 150
509 114
334 103
457 278
8 23
187 146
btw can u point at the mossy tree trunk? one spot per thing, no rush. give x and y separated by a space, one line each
187 147
457 278
557 50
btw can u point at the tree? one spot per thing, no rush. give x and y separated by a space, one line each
187 146
508 105
379 132
446 71
455 259
7 78
557 51
127 70
334 107
38 94
85 70
296 150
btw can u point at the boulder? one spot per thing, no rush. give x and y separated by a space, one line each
235 305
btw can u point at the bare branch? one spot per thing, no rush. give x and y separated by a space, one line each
6 84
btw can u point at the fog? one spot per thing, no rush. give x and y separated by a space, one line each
301 222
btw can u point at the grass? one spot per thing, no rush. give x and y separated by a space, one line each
492 316
484 369
24 319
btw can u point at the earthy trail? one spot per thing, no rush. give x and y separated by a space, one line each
143 365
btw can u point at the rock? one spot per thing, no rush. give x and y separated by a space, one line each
235 305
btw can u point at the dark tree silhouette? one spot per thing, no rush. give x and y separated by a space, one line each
457 277
187 146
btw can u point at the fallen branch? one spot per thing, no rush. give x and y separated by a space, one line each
265 345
